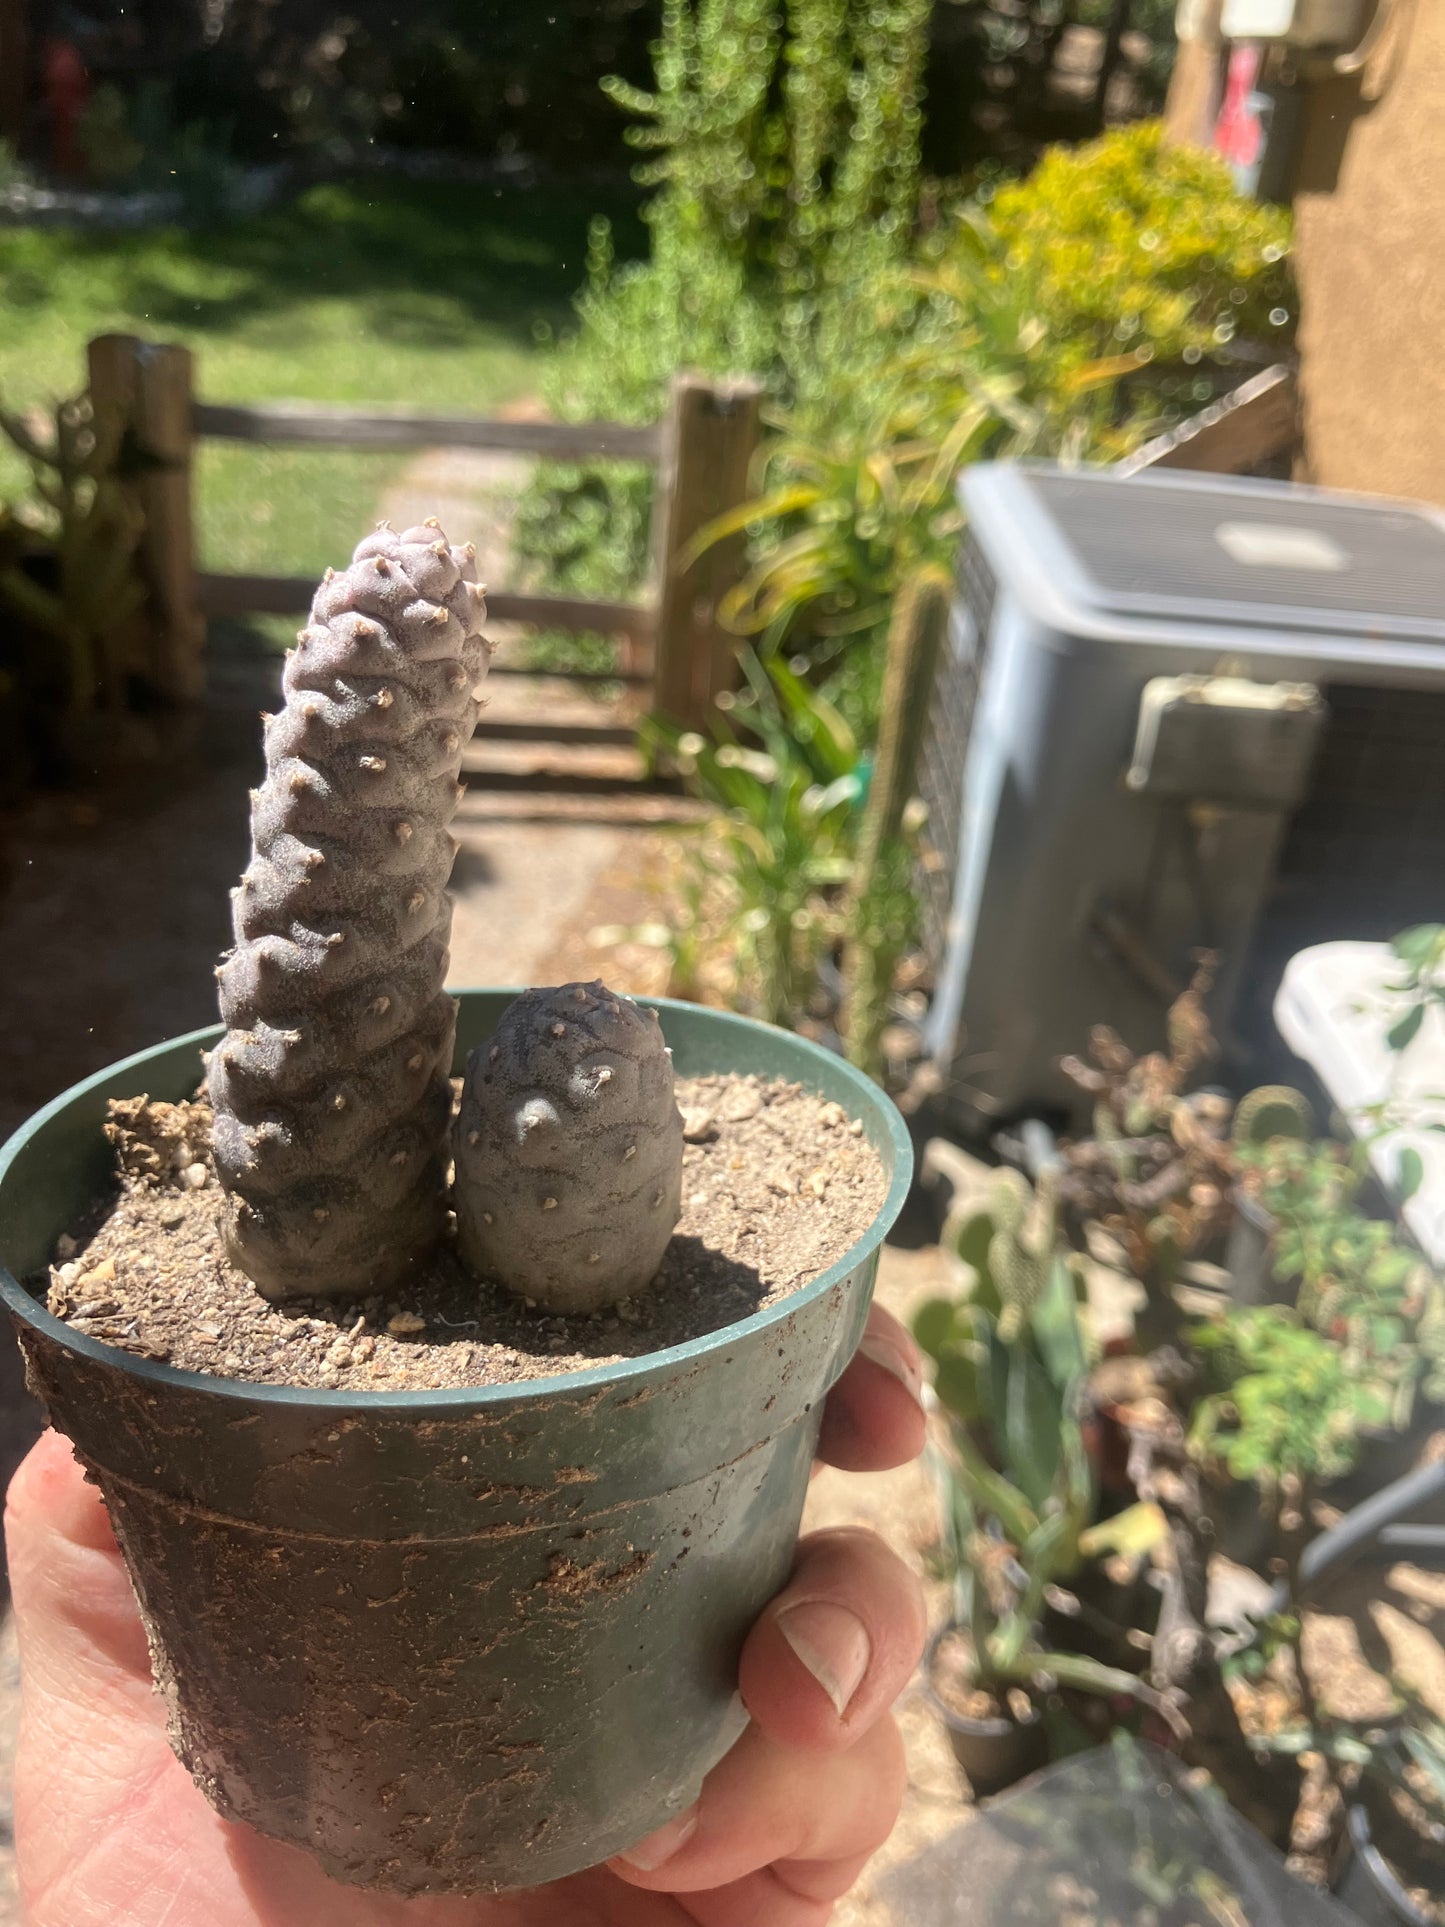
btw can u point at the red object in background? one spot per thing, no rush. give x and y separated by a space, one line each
65 89
1238 132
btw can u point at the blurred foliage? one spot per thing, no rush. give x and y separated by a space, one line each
1360 1282
860 496
1020 1494
583 528
1284 1402
70 573
782 772
484 76
13 171
1071 315
1044 321
780 128
1132 243
882 911
782 138
1420 982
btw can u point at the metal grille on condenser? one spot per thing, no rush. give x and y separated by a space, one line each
1363 856
1154 543
945 741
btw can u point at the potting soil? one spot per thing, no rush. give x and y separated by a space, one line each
777 1185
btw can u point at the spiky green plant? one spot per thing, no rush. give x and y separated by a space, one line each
1018 1489
781 769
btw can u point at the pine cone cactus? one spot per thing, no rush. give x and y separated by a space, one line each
569 1150
330 1088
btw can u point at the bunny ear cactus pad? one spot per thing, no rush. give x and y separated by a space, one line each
569 1150
330 1088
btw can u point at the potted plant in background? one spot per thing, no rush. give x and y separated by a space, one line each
1392 1869
1019 1497
1259 1273
416 1543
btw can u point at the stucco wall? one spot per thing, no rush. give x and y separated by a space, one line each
1370 212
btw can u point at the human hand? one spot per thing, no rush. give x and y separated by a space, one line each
111 1832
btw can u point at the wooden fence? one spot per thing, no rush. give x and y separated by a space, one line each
1254 423
701 450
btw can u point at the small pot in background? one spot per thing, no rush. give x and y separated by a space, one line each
994 1753
1367 1883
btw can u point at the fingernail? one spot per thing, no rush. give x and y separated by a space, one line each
650 1853
907 1369
832 1643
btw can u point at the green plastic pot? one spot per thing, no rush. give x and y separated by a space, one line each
451 1641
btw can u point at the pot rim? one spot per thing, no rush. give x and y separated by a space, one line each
466 1398
992 1729
1362 1842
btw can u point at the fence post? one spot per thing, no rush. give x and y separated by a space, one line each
708 442
149 384
111 372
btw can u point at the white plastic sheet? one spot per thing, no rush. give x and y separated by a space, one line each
1116 1837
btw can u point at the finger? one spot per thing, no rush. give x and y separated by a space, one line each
75 1613
795 1893
837 1646
758 1898
874 1415
809 1829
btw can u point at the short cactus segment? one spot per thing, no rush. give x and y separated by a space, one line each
331 1086
569 1150
1273 1111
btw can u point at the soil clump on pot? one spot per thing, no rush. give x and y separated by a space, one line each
777 1185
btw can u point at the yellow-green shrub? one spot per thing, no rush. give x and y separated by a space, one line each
1134 243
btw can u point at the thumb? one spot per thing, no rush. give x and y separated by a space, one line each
75 1614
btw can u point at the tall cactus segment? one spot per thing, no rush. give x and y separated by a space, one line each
569 1150
330 1087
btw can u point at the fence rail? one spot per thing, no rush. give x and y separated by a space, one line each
1254 423
702 451
287 595
282 423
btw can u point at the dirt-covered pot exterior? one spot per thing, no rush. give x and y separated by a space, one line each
451 1641
994 1753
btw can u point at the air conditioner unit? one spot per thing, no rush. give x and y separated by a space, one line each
1175 712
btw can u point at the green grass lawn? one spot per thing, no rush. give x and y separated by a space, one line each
375 291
